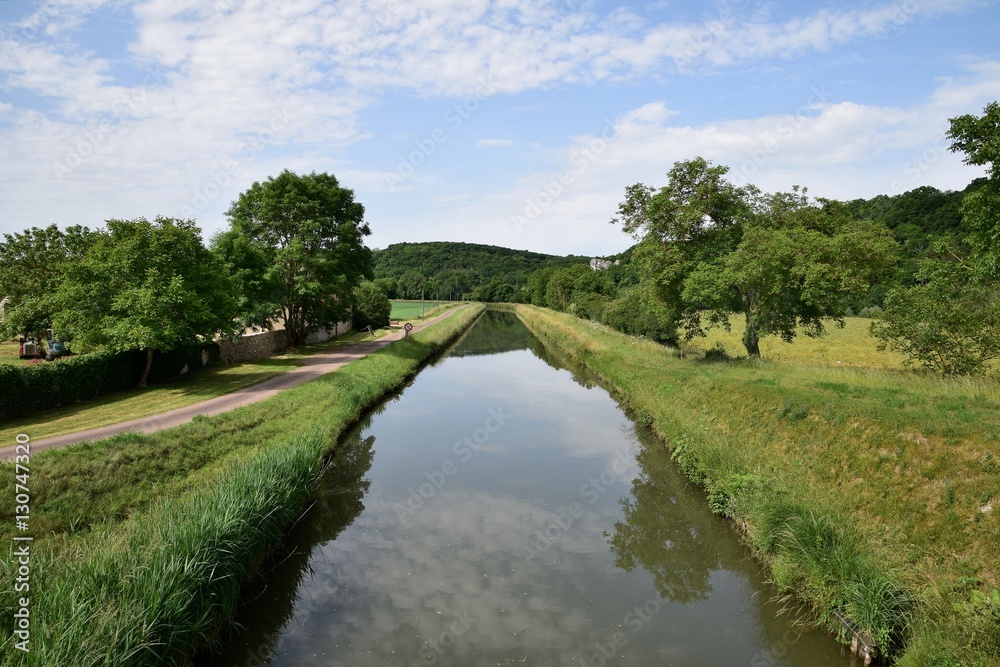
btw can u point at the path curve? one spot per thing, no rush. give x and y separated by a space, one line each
313 367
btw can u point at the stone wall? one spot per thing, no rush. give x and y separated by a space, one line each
263 345
251 346
323 336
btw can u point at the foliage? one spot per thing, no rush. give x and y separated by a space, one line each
256 292
483 272
979 138
371 307
143 285
950 320
640 312
26 390
781 261
31 269
311 233
950 323
412 284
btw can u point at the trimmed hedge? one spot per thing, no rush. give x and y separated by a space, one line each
25 390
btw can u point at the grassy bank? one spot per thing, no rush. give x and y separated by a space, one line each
867 491
143 541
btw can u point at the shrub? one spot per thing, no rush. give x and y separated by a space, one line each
28 389
371 307
639 312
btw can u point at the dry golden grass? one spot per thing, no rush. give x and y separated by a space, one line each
847 346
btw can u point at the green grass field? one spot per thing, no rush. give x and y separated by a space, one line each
864 486
410 310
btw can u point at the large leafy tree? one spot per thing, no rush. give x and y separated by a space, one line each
144 285
32 263
310 233
781 261
950 320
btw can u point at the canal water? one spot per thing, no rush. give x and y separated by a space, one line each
502 510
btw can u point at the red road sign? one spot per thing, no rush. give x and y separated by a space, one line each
408 326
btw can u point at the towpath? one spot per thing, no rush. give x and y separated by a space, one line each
313 367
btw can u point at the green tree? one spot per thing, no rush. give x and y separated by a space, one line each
979 138
311 233
32 264
144 285
371 307
388 287
782 262
412 284
256 290
949 323
639 311
538 283
950 320
454 283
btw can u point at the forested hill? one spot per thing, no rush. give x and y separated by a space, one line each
451 269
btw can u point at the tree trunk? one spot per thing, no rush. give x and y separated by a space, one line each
149 364
751 337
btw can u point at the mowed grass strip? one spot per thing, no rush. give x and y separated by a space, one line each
885 479
191 388
143 541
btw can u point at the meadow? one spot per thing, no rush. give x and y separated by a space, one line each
850 345
868 490
403 310
142 542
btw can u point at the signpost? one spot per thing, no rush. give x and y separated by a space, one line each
408 328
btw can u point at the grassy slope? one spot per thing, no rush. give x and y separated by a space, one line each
186 390
903 462
99 512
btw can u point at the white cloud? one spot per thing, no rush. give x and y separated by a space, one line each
494 143
218 94
449 198
840 150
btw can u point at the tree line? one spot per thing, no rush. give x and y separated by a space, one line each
293 254
926 264
453 270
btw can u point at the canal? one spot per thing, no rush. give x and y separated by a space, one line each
502 510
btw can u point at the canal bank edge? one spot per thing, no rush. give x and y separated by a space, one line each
157 586
814 552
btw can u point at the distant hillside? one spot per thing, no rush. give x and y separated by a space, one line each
451 269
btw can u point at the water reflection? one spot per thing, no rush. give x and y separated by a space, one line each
562 537
495 332
664 531
288 587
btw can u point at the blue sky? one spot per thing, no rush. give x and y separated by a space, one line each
490 121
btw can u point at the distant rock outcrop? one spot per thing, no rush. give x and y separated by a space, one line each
598 264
